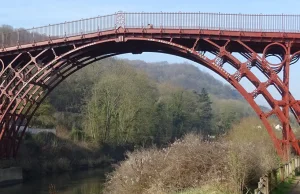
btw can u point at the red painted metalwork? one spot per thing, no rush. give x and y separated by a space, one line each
33 62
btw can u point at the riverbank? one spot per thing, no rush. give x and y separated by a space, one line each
45 154
79 182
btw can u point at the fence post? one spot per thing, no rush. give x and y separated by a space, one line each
293 167
268 183
282 169
285 172
261 184
296 165
290 169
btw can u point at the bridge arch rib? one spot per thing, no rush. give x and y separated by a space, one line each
30 76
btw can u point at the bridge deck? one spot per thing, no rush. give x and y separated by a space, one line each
255 40
255 29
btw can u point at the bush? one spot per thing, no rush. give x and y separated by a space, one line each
186 163
234 162
63 164
251 153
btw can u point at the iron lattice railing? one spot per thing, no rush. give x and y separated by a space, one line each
211 21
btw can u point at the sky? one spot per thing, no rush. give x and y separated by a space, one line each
34 13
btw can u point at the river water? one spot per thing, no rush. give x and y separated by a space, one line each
84 182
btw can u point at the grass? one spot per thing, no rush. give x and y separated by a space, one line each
207 189
284 187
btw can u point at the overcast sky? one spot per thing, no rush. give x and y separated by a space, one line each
34 13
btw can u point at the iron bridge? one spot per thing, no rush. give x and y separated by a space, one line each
34 61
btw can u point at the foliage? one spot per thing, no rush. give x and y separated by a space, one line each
186 76
228 112
120 109
115 104
204 112
231 165
169 105
44 116
184 164
127 107
251 154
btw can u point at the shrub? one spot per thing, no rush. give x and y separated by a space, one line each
184 164
251 153
63 164
234 162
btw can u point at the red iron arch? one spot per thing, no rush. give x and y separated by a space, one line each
30 76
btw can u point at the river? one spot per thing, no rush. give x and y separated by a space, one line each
83 182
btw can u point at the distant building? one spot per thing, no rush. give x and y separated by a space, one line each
278 127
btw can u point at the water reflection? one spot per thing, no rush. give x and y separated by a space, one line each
86 182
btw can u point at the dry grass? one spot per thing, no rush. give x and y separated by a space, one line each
206 189
193 163
186 163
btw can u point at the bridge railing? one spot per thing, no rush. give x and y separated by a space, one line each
197 20
274 178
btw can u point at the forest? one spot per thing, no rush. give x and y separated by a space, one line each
118 101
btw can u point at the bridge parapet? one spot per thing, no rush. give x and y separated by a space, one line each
162 20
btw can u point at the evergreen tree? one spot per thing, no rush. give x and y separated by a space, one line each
205 113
